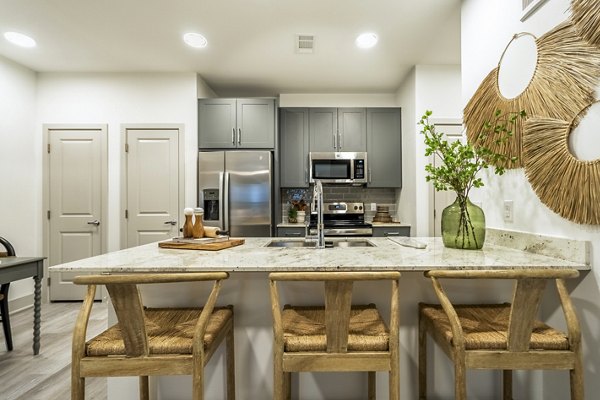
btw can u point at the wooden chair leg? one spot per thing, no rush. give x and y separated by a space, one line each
576 378
5 317
507 384
287 381
422 359
144 390
394 378
460 378
278 375
77 382
229 350
198 379
372 385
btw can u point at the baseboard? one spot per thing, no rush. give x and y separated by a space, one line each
20 304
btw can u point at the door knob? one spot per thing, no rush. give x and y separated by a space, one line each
94 222
171 223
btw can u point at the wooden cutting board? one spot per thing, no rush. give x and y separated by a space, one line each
225 244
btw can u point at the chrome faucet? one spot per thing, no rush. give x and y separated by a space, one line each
318 202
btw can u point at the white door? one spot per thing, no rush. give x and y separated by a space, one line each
444 198
76 170
153 185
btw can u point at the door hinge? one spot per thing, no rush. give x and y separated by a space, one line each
48 148
126 213
48 214
49 280
434 213
126 147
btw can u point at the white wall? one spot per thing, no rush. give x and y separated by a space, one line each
337 100
19 166
121 98
426 87
481 49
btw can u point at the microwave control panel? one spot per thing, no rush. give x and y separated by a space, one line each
359 169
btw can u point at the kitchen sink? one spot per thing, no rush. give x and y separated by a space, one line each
313 244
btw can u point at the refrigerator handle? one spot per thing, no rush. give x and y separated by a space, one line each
225 208
221 204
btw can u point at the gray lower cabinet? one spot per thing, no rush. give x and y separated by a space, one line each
293 145
291 232
384 147
236 123
383 231
338 129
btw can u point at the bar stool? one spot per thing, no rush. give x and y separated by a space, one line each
501 336
4 314
338 336
152 341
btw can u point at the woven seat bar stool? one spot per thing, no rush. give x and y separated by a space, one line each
338 336
504 336
152 341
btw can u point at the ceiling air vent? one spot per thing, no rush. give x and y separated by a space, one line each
305 44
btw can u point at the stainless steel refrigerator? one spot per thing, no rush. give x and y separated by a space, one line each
234 188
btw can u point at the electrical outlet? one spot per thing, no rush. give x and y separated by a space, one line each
508 211
373 206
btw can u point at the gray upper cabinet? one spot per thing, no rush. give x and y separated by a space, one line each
294 147
236 123
338 129
384 147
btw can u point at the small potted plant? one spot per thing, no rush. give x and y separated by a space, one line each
463 223
300 207
292 214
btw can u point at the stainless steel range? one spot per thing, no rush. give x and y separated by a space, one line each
342 219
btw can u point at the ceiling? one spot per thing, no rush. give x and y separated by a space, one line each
250 42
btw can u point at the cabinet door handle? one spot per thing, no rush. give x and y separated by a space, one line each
391 233
334 140
341 140
232 135
370 176
239 135
306 175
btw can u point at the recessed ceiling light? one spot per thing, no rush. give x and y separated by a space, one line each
195 40
19 39
366 40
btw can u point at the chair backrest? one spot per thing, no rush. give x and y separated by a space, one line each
129 309
10 250
526 298
338 301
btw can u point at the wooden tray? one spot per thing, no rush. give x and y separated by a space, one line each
202 246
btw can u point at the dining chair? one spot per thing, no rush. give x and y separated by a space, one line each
337 336
152 341
4 313
506 336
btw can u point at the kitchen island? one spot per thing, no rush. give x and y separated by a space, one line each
247 290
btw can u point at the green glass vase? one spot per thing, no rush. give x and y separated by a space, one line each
463 225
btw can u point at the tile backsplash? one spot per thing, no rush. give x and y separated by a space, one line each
380 196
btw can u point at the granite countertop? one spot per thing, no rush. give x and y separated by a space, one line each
389 253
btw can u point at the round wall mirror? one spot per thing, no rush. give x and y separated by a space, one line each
517 65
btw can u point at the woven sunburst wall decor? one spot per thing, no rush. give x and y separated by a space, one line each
586 18
568 186
566 75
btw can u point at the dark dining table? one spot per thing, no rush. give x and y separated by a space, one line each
16 268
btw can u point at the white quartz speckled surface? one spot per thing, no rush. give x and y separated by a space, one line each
254 256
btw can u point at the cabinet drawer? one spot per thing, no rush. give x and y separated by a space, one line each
391 231
290 232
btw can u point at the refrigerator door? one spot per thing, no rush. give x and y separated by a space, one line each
249 175
211 179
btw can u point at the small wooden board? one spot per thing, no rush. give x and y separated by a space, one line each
202 246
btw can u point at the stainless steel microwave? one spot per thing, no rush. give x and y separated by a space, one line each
338 167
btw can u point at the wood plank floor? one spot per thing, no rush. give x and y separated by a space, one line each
46 376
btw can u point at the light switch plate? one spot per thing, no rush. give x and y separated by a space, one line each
373 206
508 211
